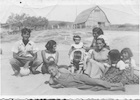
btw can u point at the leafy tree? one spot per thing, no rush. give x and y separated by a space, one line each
24 20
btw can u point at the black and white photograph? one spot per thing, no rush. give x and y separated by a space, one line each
69 48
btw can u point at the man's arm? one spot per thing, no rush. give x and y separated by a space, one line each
32 59
16 56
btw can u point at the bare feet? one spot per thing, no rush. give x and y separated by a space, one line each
35 72
16 73
119 86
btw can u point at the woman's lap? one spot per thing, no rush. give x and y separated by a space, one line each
94 69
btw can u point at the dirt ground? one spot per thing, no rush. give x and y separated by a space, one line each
34 84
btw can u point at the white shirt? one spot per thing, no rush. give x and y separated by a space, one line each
121 65
133 64
105 39
78 46
23 50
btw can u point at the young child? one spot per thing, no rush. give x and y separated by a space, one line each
48 55
98 33
60 79
77 61
77 44
130 65
76 54
116 72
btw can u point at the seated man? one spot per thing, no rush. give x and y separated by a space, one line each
60 79
25 54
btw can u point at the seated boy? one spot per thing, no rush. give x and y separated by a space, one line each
77 60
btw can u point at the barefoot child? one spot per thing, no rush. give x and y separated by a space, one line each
77 55
77 61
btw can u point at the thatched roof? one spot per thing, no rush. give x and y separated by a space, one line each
83 16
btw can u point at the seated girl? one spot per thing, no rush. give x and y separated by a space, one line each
59 79
50 54
130 65
77 61
116 72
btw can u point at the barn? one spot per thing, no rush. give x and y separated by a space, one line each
91 17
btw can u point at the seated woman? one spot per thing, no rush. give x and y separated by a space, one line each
60 79
95 63
50 54
98 33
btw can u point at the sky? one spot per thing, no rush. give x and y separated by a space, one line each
117 11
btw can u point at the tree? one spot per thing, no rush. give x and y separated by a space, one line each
16 20
24 20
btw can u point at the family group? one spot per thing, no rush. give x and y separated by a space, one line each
96 67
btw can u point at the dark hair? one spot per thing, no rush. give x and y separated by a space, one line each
25 30
128 51
114 55
103 41
98 30
77 55
76 36
49 45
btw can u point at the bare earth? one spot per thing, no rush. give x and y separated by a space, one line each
34 84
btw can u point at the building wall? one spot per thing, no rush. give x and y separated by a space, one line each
96 18
81 25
